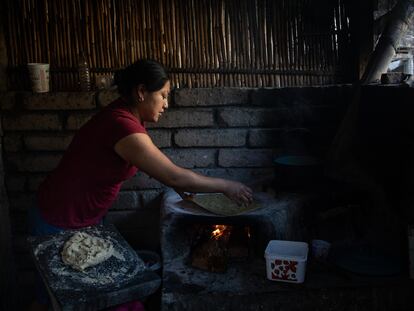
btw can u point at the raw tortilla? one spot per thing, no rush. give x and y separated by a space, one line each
83 250
219 204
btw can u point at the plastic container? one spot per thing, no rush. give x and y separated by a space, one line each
39 77
286 261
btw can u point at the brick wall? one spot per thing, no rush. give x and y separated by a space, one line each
7 271
231 133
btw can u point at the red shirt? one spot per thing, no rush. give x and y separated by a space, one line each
79 192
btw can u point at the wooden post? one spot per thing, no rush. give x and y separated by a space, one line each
342 163
341 156
402 16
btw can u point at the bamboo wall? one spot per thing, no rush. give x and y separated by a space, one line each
204 43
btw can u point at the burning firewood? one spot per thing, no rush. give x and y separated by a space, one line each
222 242
212 255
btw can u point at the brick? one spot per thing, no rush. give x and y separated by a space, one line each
210 138
32 121
161 138
211 96
127 200
60 101
236 117
264 137
291 141
80 100
141 181
12 143
43 101
273 97
105 97
32 163
7 100
77 120
245 157
22 201
15 182
149 196
244 175
296 116
52 143
309 96
191 158
185 118
285 97
34 181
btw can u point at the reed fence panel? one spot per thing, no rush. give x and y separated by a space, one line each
203 43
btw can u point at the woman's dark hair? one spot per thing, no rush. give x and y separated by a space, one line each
147 72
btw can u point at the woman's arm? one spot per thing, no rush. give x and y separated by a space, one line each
139 150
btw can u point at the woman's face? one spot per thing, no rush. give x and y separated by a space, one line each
153 104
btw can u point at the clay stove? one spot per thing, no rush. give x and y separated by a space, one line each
203 272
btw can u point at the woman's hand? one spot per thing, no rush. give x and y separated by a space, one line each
238 192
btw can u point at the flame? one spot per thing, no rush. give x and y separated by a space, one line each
218 231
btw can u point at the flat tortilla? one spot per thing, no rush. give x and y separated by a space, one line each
219 204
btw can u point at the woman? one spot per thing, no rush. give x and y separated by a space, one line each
109 149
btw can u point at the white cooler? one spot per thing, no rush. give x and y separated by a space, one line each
286 261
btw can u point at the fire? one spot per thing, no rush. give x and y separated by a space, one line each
218 231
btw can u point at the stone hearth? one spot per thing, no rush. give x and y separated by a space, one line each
244 287
188 288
